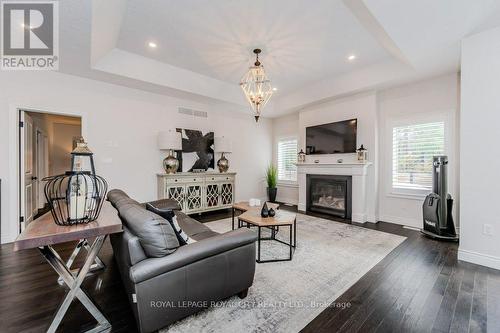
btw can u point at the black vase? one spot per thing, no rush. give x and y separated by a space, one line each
272 212
271 192
264 212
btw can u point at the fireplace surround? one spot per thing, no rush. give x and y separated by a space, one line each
357 171
329 194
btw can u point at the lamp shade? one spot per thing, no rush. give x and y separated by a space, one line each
222 145
169 140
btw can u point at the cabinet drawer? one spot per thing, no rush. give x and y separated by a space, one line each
184 180
220 178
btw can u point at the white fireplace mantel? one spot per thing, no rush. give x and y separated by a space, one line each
358 171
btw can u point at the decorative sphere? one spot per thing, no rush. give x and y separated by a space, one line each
223 164
170 164
264 212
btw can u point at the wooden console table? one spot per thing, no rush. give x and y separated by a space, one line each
198 192
43 233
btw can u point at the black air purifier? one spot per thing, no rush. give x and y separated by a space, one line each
437 207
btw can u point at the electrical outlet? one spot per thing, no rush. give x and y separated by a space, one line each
487 230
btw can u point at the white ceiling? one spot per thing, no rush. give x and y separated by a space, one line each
303 41
204 46
432 29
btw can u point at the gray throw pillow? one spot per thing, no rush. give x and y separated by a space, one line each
155 234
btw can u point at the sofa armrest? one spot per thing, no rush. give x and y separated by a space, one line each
190 253
165 204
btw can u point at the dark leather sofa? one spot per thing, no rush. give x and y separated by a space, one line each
162 290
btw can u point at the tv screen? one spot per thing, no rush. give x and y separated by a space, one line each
333 138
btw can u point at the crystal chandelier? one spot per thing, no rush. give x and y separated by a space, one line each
256 86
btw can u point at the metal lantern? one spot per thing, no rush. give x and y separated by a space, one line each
76 196
362 154
301 156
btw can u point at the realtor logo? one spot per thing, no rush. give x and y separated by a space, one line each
30 35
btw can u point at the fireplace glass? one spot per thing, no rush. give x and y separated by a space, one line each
329 194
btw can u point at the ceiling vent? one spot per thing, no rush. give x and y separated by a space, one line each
194 113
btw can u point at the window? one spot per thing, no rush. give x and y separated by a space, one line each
287 157
413 147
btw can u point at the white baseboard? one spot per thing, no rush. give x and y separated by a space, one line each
479 258
288 201
7 239
360 218
401 220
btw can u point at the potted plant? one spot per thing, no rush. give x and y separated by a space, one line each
272 180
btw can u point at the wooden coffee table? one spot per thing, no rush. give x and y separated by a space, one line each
243 206
281 219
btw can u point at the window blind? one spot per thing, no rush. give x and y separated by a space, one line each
287 157
413 147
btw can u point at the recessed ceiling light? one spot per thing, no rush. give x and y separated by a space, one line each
274 89
351 57
152 45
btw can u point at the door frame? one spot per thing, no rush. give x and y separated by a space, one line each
22 169
11 226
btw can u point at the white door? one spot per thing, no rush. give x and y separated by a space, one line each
42 162
27 172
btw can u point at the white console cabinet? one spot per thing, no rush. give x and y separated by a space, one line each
198 192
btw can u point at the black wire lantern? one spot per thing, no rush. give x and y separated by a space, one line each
76 196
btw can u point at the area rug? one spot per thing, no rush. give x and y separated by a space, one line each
285 296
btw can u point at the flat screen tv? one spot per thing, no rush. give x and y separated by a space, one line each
332 138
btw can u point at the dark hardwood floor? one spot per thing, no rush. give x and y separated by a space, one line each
418 287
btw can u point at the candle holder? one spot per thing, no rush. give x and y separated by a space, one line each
301 157
362 153
76 196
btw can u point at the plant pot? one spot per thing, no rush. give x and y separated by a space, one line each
271 193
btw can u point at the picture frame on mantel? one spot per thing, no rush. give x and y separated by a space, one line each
197 150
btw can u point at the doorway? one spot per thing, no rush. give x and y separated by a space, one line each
46 141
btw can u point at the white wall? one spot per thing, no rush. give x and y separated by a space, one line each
285 127
374 111
364 108
60 152
435 96
120 125
479 159
59 147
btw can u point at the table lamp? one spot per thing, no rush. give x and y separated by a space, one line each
223 146
170 140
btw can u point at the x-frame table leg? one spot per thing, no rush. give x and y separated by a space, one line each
97 265
74 283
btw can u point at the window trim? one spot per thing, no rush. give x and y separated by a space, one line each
420 118
286 183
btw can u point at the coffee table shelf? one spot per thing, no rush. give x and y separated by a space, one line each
251 217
